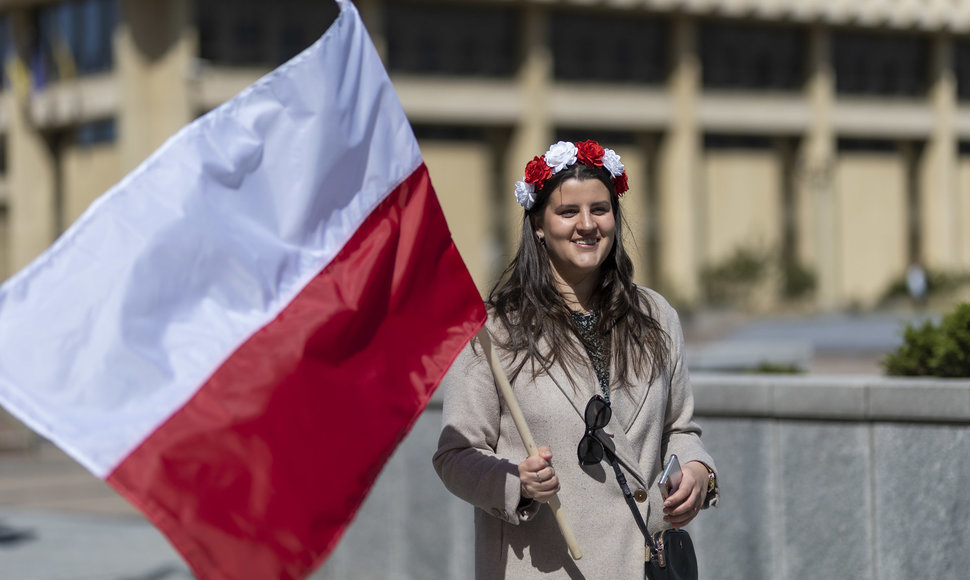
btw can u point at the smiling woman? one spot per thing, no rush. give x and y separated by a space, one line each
574 333
577 229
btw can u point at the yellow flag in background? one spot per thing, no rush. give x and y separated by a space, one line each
18 74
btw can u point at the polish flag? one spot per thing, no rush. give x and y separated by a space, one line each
239 333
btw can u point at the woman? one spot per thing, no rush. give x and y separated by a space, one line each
570 324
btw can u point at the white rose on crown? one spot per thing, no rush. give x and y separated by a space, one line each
560 156
525 194
611 161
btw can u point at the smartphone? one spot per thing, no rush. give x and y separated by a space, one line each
670 479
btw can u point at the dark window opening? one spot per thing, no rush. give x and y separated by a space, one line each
446 39
96 132
880 64
595 47
852 144
259 33
737 56
749 142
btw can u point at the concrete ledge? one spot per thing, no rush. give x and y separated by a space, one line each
825 397
920 399
842 398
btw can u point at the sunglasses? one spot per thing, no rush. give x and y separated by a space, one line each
597 415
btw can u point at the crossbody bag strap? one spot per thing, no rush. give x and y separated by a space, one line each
628 495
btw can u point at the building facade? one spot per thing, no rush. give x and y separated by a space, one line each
780 152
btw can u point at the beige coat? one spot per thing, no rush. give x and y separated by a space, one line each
479 451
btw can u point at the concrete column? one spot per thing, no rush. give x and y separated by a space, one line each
939 207
155 46
372 13
648 236
680 169
534 132
818 243
32 165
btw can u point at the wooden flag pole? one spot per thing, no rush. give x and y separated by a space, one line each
530 445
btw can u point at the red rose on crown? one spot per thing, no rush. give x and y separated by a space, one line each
590 153
620 185
537 172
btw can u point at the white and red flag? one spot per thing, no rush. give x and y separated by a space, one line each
239 333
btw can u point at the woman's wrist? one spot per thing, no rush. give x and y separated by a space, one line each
705 476
524 499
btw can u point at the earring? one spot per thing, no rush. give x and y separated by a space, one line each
542 241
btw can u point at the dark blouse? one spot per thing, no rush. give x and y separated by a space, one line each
597 346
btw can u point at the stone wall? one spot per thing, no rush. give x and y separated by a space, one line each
821 477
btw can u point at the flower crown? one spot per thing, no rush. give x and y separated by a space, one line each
565 154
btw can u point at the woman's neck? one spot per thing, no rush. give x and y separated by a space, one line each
578 294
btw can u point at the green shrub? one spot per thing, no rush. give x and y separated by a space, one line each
951 357
769 368
931 350
913 357
797 280
735 276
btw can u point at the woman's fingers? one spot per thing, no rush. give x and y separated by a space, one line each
548 486
683 513
538 477
684 504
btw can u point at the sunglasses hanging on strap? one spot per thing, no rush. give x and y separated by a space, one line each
668 554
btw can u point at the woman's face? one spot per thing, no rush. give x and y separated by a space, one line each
579 229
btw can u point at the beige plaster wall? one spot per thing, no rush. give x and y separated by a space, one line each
31 181
963 205
634 206
871 224
88 172
4 245
154 48
460 173
938 206
742 202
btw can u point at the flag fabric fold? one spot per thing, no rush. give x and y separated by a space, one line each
238 334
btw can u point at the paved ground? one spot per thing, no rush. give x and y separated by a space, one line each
58 522
820 344
62 523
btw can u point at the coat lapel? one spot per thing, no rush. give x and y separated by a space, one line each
615 431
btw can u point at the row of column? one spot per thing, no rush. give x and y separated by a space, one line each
680 157
155 45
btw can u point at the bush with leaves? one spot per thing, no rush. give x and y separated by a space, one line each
931 350
732 279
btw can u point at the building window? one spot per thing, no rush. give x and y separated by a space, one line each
96 132
880 64
717 141
961 68
737 56
5 40
74 38
445 39
450 133
861 145
259 33
598 47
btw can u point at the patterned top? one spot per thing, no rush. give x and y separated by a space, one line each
597 346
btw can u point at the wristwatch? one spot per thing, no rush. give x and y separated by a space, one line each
711 479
